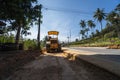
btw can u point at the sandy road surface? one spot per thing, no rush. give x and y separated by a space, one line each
55 66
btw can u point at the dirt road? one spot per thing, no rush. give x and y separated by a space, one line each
56 66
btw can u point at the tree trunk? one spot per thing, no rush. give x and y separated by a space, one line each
101 30
39 22
118 32
18 36
87 34
38 37
101 25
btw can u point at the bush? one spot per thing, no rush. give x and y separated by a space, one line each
30 44
11 46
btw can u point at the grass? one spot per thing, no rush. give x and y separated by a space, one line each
96 42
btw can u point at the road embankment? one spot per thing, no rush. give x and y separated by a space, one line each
105 64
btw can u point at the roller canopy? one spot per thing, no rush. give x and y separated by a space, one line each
53 32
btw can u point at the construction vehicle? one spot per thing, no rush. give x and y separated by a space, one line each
52 42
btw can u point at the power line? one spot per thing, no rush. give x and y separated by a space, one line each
68 10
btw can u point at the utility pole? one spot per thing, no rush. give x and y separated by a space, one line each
39 22
70 36
68 40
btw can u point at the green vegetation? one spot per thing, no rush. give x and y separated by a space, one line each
28 44
7 39
110 35
18 16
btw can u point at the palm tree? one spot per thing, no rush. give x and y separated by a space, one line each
92 34
97 33
83 24
99 15
91 24
113 18
108 26
118 7
86 30
38 15
39 22
82 32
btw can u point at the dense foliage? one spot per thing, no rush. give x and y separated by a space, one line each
18 16
110 33
112 27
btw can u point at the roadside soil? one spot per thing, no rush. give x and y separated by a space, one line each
12 61
60 66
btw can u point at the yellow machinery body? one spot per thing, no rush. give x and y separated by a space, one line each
52 43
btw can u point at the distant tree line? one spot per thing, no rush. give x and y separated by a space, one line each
112 25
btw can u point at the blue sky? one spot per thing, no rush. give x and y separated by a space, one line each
65 21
